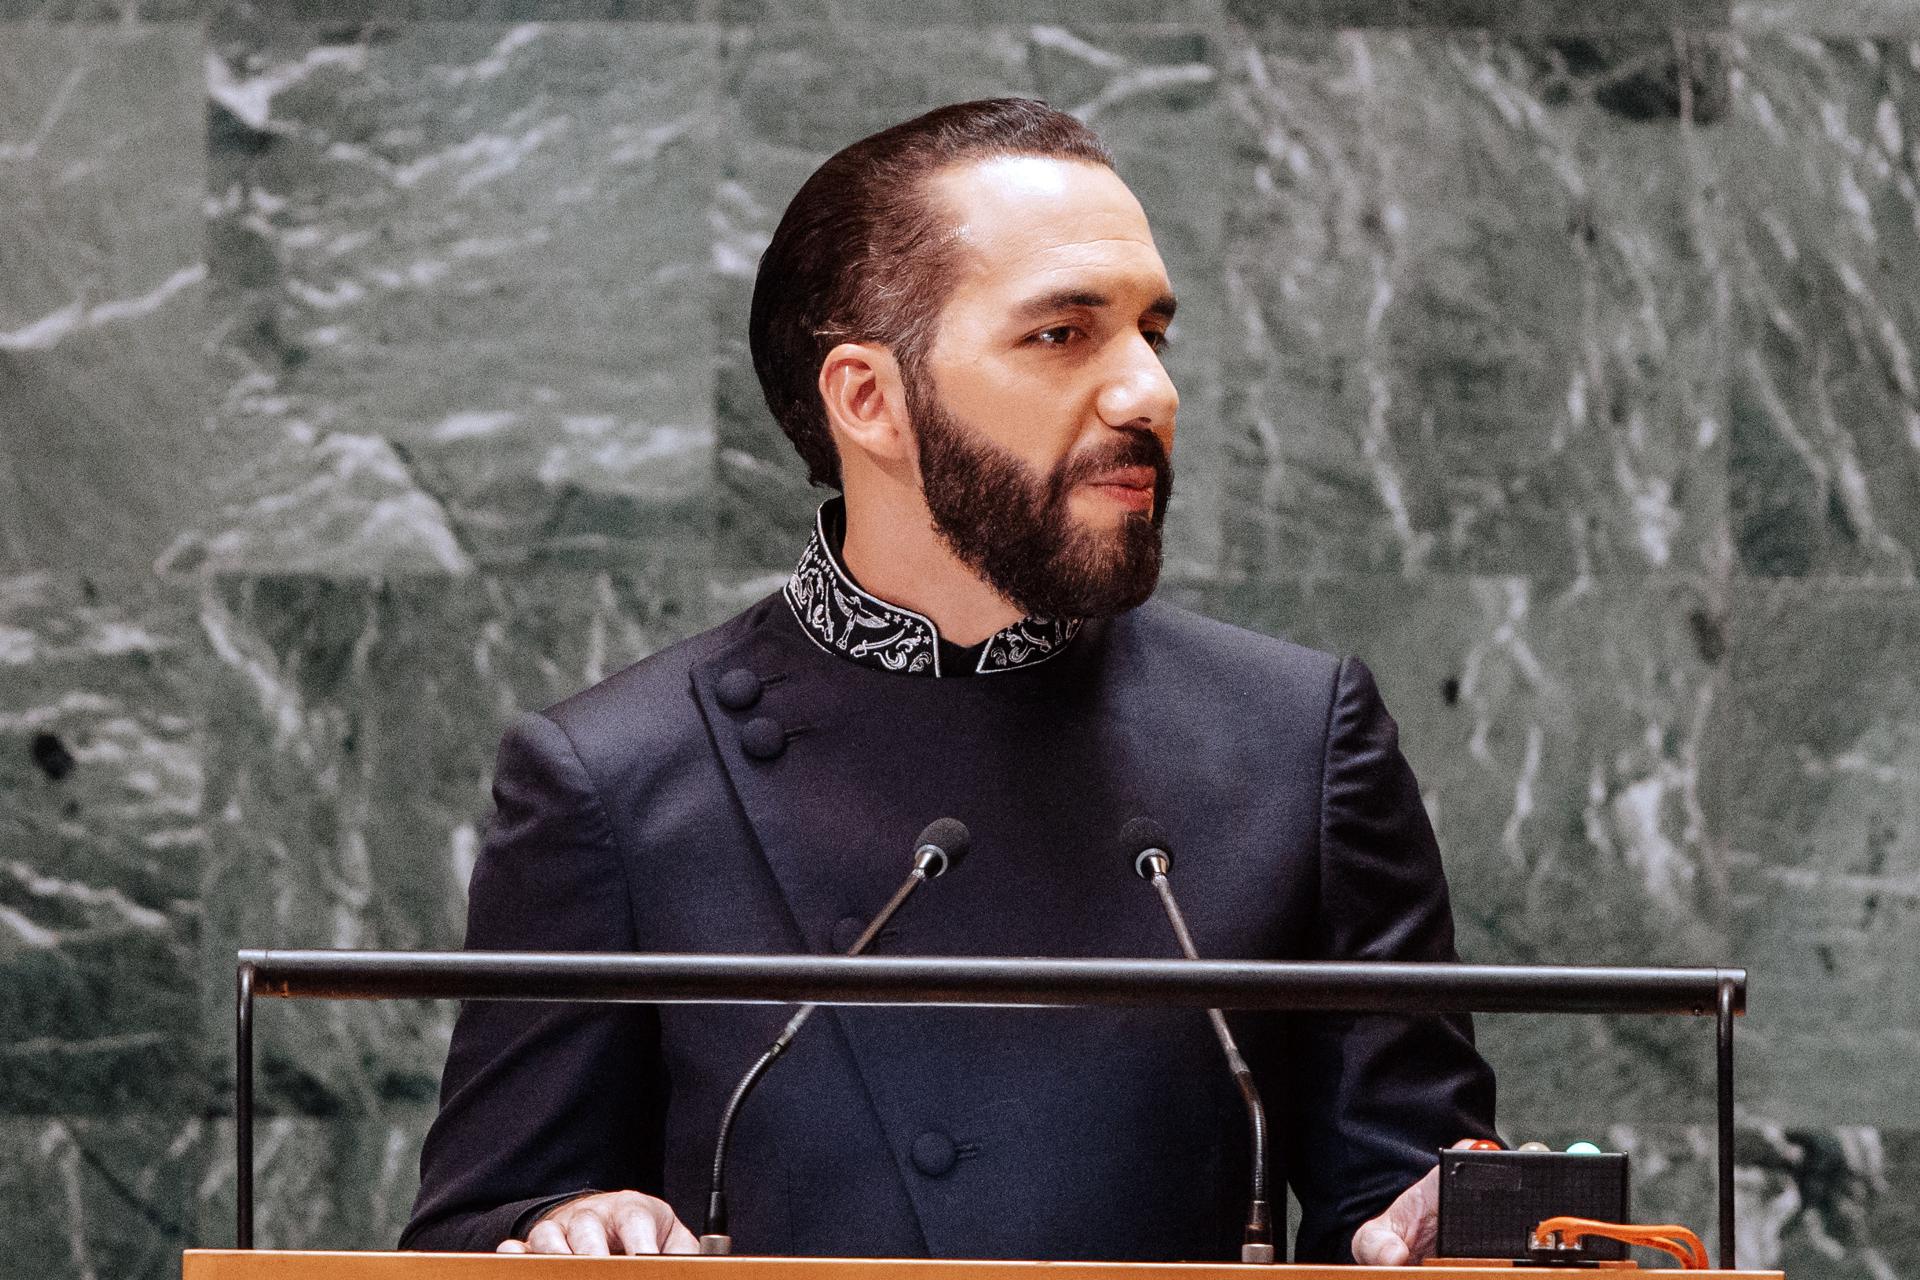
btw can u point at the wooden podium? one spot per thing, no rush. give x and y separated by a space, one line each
269 1264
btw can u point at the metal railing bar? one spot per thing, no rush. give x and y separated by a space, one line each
1317 986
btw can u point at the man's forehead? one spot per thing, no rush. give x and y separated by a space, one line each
1022 218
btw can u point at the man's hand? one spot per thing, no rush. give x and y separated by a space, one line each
1404 1235
607 1222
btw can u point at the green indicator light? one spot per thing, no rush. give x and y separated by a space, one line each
1583 1149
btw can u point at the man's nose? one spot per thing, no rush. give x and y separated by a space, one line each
1138 393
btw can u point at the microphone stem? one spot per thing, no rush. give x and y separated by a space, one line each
717 1196
915 878
1259 1232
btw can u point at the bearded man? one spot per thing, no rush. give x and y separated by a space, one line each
959 324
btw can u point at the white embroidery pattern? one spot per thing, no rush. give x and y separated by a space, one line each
841 618
1025 643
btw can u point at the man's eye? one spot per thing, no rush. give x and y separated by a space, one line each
1058 336
1157 339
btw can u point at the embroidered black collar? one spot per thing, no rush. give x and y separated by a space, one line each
841 618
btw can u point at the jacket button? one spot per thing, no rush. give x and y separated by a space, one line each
738 689
762 738
846 932
934 1153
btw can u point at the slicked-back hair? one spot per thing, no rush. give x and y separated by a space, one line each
864 253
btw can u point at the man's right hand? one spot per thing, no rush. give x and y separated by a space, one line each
607 1222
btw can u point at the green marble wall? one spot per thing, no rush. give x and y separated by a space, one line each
372 370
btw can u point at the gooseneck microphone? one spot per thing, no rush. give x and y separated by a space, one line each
941 846
1145 843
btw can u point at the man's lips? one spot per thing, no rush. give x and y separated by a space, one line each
1127 478
1130 486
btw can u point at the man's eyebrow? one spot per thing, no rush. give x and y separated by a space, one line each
1046 304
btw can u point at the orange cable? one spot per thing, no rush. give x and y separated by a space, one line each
1671 1238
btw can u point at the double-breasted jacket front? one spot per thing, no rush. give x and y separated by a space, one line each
751 790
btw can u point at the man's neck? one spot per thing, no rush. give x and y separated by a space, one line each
892 551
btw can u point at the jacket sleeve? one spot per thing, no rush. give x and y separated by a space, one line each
541 1101
1372 1098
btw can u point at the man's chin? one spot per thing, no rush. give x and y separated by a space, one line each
1103 575
1122 572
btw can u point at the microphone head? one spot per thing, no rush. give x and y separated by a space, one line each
1143 836
941 845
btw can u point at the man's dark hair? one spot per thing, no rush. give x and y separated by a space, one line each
864 255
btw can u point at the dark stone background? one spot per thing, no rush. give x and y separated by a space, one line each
371 371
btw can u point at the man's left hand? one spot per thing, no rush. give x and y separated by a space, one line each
1404 1235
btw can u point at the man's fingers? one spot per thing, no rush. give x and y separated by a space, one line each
547 1237
650 1226
587 1236
608 1222
1413 1208
511 1246
1376 1244
681 1240
1405 1233
1414 1217
638 1232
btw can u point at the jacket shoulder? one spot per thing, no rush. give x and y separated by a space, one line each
1232 656
647 710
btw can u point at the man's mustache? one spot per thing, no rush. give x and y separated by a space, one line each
1135 449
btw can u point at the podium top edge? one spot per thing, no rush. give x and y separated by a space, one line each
253 1264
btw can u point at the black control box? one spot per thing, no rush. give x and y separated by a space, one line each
1490 1201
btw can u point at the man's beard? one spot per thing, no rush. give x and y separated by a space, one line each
1015 529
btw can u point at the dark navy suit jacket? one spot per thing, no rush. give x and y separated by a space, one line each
646 815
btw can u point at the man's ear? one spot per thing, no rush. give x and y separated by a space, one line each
866 403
